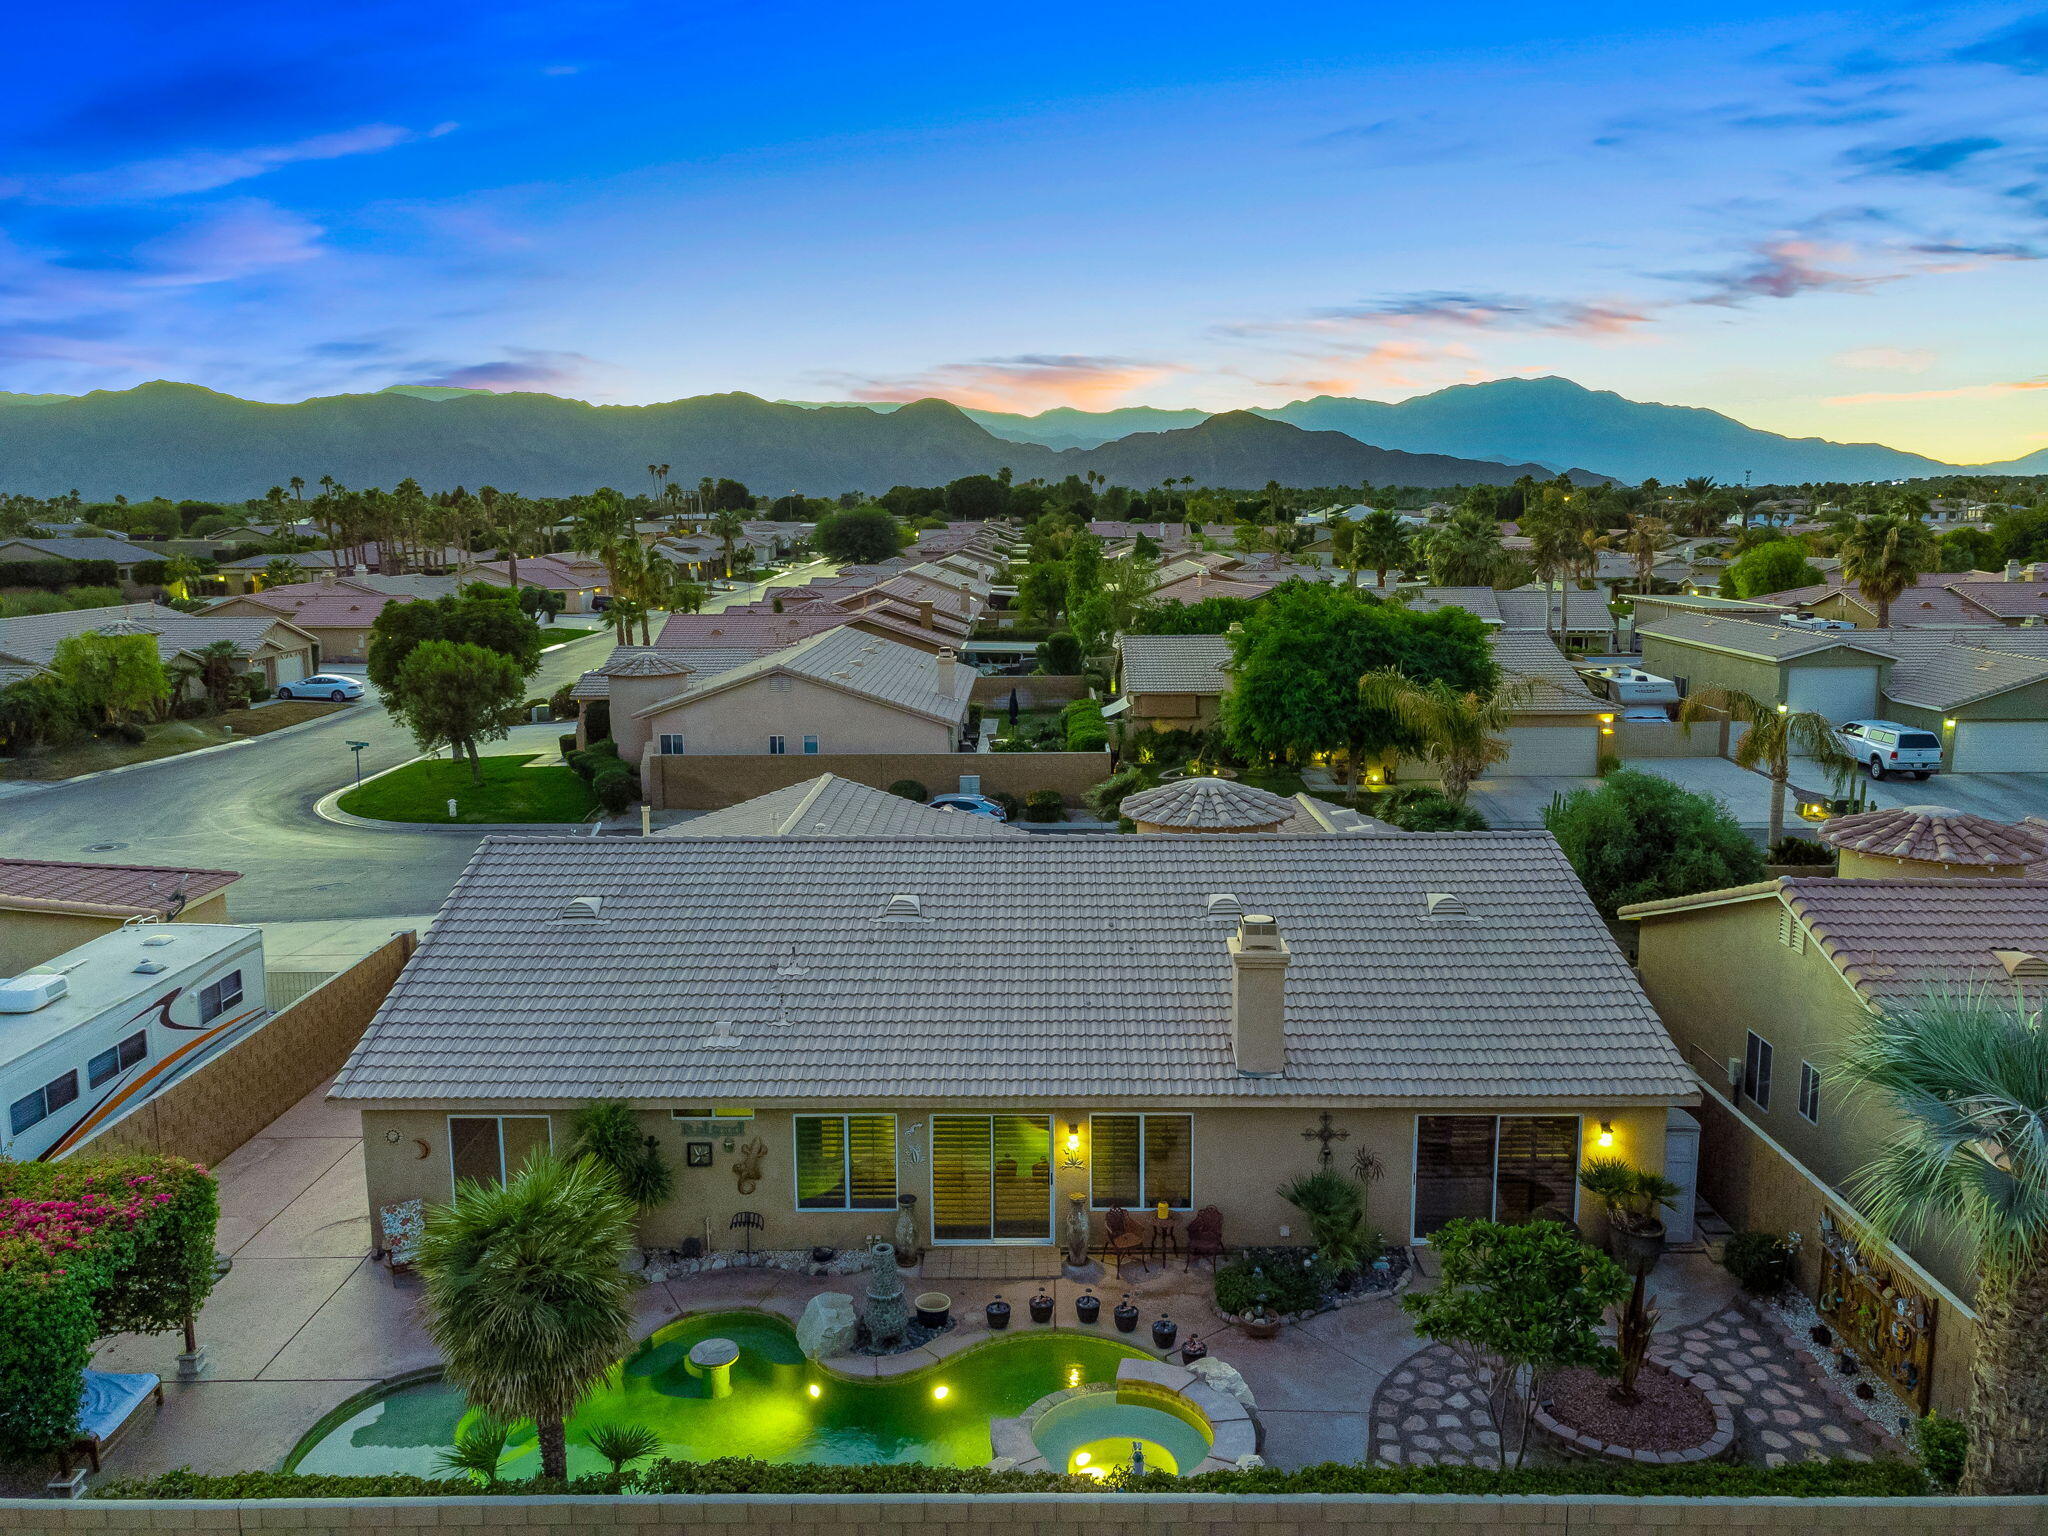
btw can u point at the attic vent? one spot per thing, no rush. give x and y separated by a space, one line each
2021 965
580 909
1444 904
1791 932
903 908
1223 906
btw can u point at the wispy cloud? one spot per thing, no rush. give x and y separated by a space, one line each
235 240
521 368
1784 269
2023 46
1452 311
1886 359
1940 158
207 170
1961 392
1033 382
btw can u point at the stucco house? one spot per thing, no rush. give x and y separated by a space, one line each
335 610
830 806
1171 682
1004 1028
266 643
579 580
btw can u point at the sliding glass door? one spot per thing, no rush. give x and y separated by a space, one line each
991 1178
1494 1168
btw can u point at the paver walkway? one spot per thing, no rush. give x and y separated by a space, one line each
1429 1410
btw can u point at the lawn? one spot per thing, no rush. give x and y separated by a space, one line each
511 791
169 739
556 634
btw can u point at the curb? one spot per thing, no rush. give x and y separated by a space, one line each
328 808
11 788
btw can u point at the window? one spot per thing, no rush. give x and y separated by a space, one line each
1139 1160
1809 1091
671 744
1509 1168
44 1102
484 1148
845 1162
776 746
116 1059
216 998
1756 1070
810 745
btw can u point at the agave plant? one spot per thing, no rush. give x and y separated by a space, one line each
623 1443
479 1448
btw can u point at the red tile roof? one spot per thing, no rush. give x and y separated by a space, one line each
762 628
1937 834
125 888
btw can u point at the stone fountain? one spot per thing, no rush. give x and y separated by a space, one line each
884 1312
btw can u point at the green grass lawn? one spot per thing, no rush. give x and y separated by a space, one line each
555 634
510 791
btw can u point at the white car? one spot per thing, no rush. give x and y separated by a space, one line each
322 685
1886 747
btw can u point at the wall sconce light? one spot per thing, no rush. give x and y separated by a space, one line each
1606 730
1606 1136
1607 719
1784 709
1948 725
1073 1157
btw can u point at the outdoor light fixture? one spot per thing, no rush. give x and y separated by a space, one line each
1948 725
1073 1157
1607 719
1606 730
816 1390
1606 1137
1784 709
941 1392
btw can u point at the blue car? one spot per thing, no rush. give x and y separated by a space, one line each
971 805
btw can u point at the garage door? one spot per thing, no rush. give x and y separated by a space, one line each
2000 746
1538 751
1838 693
291 666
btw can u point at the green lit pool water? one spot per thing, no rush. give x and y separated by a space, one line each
937 1416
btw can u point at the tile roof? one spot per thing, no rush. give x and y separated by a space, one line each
1200 587
1075 969
1312 815
829 806
1936 834
32 639
2006 599
1536 659
81 547
702 661
1896 939
312 606
1175 663
884 670
1201 803
1482 601
539 571
758 627
1745 637
127 888
1524 608
1938 669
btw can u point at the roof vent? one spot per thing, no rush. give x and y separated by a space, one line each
1441 904
903 908
581 909
156 943
149 968
2022 965
1224 907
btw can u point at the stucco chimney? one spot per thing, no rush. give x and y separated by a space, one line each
949 673
1258 996
2012 571
327 577
924 612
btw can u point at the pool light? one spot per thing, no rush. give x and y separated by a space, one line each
1073 1375
816 1390
1082 1458
940 1392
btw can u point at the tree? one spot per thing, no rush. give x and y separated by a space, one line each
281 571
1639 837
180 571
728 527
858 535
35 710
1381 544
1059 654
1775 735
1965 1080
608 1132
452 694
1460 729
110 676
525 1295
1464 550
603 524
976 498
1644 540
1517 1303
1967 549
730 496
492 620
1884 555
218 665
1779 565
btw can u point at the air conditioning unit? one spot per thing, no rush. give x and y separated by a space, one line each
25 994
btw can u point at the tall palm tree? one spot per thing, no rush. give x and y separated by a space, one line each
1965 1077
603 524
1774 736
524 1293
1460 729
1884 554
1464 550
1644 540
1382 544
728 527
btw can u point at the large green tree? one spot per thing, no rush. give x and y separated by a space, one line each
1779 565
1639 837
452 694
858 535
1884 555
491 618
110 676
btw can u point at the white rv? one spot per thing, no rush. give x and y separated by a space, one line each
88 1036
1630 685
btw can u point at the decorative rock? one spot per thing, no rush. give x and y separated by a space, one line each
1221 1377
1246 1463
828 1326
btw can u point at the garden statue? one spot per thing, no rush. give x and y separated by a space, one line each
906 1230
885 1314
1077 1230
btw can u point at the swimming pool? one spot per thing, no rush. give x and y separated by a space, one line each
782 1407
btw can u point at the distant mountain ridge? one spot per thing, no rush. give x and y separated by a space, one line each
185 441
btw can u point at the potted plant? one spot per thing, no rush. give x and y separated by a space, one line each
1192 1351
1631 1197
934 1310
1041 1308
1164 1332
1088 1308
1260 1321
998 1314
1126 1315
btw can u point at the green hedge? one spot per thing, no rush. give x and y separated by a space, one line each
1718 1480
56 575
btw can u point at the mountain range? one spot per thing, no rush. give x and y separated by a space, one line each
184 441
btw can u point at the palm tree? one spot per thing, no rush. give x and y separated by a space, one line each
1382 544
621 1443
1965 1078
180 571
1645 538
1460 729
1884 554
1464 550
525 1296
1775 734
729 527
603 524
479 1448
282 571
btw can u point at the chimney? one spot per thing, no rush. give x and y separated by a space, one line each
2012 571
924 612
327 577
949 673
1258 996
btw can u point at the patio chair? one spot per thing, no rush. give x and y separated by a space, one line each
108 1407
402 1225
1205 1237
1125 1236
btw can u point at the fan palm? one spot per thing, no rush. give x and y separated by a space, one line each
1644 540
479 1448
1775 734
1464 550
1884 554
1965 1077
1460 729
524 1293
621 1443
603 524
728 527
1381 543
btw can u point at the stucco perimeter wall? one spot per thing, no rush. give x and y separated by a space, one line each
1646 738
691 783
30 937
211 1112
1038 1514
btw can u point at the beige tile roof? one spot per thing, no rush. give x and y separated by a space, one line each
829 806
33 640
1937 834
1523 608
1312 815
130 888
1944 671
1536 659
702 661
1205 804
1175 663
1745 637
1042 969
1896 939
1483 601
848 659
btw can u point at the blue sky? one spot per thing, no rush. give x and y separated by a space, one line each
1822 222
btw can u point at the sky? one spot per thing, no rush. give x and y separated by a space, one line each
1822 222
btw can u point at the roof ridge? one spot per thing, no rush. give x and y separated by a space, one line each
818 786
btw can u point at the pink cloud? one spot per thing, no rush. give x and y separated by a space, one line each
1961 392
1030 383
238 240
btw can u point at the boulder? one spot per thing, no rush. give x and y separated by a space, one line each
1219 1377
828 1327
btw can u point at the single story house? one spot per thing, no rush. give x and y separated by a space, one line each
580 582
1982 598
48 907
1171 682
267 643
124 555
1013 1032
335 610
1833 673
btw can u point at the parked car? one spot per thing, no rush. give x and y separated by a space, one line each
322 685
1885 747
970 805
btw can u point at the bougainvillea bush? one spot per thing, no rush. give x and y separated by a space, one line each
87 1249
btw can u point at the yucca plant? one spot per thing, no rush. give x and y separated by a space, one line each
623 1443
1631 1196
1964 1079
1335 1208
608 1131
524 1293
479 1448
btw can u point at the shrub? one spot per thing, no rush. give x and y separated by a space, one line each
1608 763
191 709
1943 1443
597 719
1059 654
127 731
1639 837
1335 1208
593 759
567 742
561 705
1045 805
257 691
1106 800
1760 1261
1292 1280
1431 812
910 789
1801 850
609 1131
616 788
1012 806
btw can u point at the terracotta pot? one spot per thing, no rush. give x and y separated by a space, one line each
1259 1328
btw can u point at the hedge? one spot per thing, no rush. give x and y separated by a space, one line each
88 1249
56 575
1717 1480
